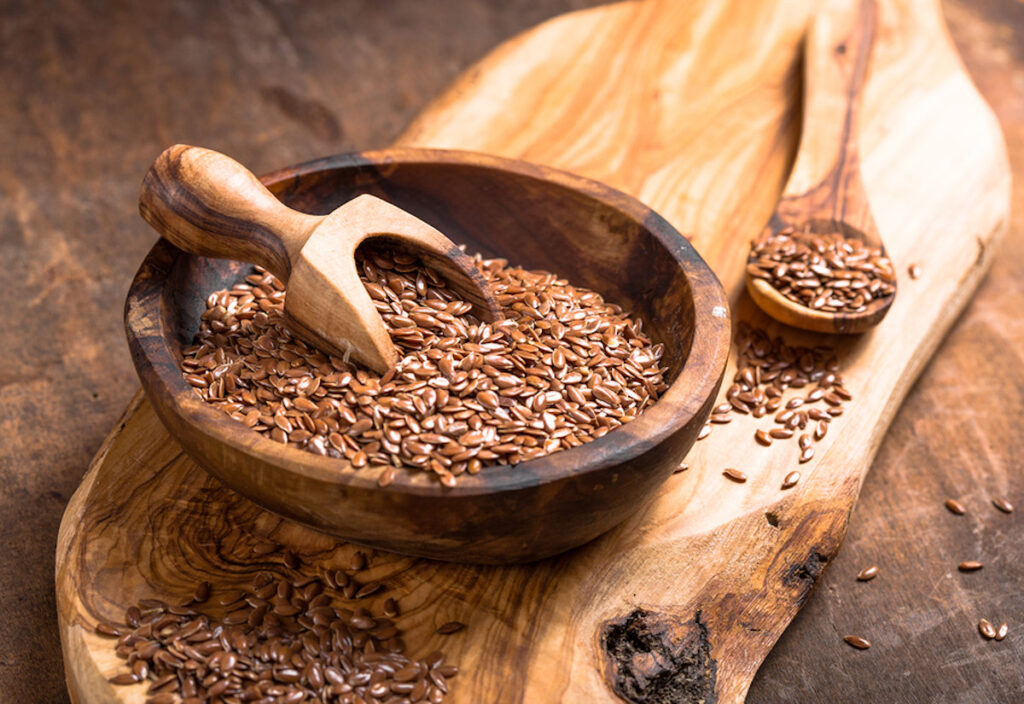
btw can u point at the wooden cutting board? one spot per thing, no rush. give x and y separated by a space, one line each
694 109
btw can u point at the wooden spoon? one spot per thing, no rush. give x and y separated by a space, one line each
208 204
825 194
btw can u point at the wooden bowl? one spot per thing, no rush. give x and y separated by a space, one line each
536 217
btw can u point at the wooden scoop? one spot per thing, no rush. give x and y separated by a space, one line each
825 194
208 204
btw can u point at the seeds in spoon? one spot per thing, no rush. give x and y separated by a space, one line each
832 273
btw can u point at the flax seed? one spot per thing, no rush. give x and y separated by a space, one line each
562 358
1002 631
986 629
858 642
763 438
735 475
970 566
450 627
956 507
867 574
1003 505
791 480
318 649
830 272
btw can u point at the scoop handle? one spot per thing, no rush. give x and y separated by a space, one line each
208 204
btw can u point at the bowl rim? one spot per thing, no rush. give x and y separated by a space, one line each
679 404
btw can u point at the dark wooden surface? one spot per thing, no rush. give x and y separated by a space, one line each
93 91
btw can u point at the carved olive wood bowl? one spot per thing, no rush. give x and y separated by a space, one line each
536 217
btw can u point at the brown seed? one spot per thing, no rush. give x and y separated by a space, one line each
858 642
806 455
828 272
763 438
735 475
867 574
602 370
970 566
986 629
450 627
1003 505
956 507
1002 631
914 270
791 480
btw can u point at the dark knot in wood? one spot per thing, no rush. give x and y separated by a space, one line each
657 659
805 574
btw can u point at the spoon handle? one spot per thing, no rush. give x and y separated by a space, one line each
826 175
208 204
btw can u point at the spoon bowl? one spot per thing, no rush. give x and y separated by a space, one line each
786 310
536 217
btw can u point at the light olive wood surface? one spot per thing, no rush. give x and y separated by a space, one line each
655 99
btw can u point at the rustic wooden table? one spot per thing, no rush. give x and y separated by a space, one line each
93 91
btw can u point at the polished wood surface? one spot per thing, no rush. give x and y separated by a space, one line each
206 203
824 193
617 618
535 216
67 375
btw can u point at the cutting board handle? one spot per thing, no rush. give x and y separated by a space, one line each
208 204
827 171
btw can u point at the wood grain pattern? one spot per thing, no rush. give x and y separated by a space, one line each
646 581
599 238
825 193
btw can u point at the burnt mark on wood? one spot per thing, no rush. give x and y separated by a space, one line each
805 574
657 659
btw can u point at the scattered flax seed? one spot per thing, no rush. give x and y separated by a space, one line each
831 272
450 627
681 468
276 639
858 642
791 480
735 475
1003 505
956 507
970 566
563 368
768 371
914 270
986 629
867 574
1002 631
